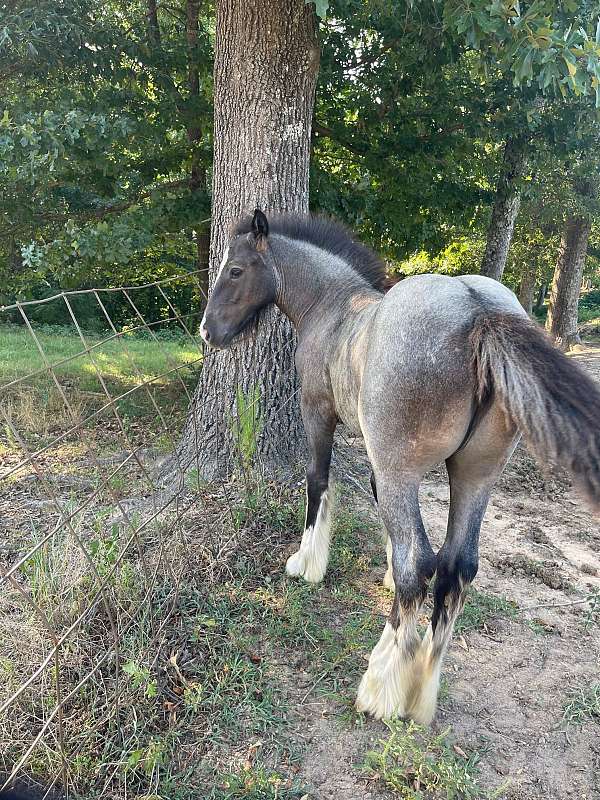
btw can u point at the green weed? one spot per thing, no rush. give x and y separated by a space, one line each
256 783
416 764
583 705
591 615
481 608
140 678
246 425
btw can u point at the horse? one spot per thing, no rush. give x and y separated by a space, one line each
437 369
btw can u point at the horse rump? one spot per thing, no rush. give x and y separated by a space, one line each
552 400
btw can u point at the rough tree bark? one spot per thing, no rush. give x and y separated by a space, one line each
505 210
527 287
266 65
561 321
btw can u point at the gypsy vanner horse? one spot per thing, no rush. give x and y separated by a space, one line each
437 369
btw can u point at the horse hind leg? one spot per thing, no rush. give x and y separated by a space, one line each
388 578
472 473
387 685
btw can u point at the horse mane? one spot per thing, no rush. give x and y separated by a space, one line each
331 236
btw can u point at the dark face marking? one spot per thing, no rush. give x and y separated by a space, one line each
245 285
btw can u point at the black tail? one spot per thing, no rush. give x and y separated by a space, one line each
552 400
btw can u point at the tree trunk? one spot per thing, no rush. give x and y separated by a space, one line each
202 260
541 296
561 322
193 120
527 288
266 65
505 210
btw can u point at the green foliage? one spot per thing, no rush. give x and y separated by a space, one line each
460 257
104 155
480 607
106 134
557 45
246 425
321 7
583 705
416 763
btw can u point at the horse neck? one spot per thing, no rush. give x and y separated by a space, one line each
312 282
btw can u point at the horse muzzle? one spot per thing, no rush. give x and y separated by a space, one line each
220 335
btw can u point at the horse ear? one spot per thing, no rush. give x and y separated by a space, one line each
260 229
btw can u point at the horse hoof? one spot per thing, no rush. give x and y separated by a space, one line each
383 688
313 573
300 565
295 564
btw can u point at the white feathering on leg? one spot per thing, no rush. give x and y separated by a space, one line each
310 561
423 700
428 664
386 685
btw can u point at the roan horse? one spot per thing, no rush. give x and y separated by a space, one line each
437 369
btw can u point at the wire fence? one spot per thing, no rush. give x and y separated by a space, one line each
96 556
89 544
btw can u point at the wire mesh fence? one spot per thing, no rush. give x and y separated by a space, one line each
87 537
97 558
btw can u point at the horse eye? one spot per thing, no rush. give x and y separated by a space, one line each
235 272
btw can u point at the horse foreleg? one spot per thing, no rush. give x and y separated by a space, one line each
387 686
310 561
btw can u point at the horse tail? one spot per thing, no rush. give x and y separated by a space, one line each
549 397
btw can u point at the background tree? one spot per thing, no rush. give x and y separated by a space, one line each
266 65
561 322
544 49
505 208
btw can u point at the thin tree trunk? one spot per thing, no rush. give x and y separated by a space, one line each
561 322
198 178
202 259
527 288
266 64
541 296
505 210
153 26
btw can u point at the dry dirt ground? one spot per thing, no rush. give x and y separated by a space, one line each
507 684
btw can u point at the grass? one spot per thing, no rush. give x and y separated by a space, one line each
256 783
583 705
415 764
481 608
328 628
19 356
212 638
36 406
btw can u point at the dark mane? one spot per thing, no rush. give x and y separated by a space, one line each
329 235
